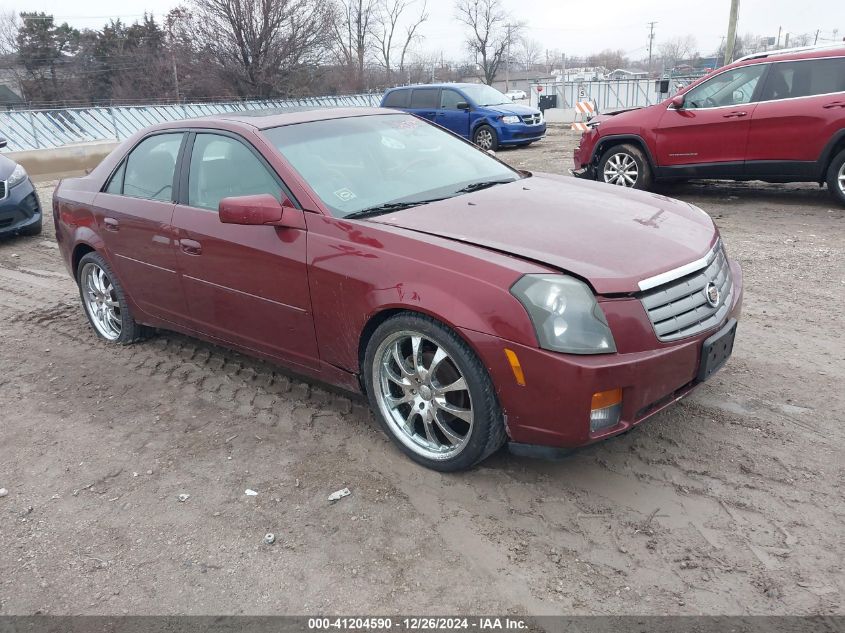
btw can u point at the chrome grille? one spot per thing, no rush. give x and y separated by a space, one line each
680 308
531 119
3 189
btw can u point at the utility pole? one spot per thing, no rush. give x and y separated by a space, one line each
650 43
508 60
175 75
731 41
817 37
780 30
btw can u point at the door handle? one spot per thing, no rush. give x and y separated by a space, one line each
834 104
734 115
191 247
110 224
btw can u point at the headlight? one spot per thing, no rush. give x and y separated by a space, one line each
510 119
565 314
17 177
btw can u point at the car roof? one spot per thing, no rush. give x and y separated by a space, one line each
441 85
809 52
275 117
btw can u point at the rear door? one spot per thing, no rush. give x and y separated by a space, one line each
801 106
425 102
246 285
710 133
450 116
134 215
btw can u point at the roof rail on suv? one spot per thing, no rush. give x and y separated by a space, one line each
783 51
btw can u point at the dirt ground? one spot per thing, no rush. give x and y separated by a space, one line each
729 503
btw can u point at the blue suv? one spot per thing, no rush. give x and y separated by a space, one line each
475 111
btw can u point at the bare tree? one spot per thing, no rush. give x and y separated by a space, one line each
677 49
490 33
9 25
412 35
353 35
609 59
386 32
262 45
530 53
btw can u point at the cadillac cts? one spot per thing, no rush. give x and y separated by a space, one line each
472 303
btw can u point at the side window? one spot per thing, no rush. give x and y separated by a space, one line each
222 167
734 87
449 99
149 168
397 99
425 98
788 80
116 183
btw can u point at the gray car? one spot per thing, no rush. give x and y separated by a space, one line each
20 211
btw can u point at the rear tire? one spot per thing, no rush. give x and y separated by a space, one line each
836 177
486 138
104 302
625 166
431 394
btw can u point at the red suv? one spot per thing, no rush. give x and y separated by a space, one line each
776 117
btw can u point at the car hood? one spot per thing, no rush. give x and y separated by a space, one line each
516 108
611 236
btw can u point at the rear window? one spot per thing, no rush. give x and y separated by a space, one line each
788 80
396 99
425 98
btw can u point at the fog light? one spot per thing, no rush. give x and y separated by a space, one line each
606 410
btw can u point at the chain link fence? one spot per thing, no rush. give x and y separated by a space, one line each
42 129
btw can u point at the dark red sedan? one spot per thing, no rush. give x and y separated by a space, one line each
369 249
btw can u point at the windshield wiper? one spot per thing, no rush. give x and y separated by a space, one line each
484 184
388 207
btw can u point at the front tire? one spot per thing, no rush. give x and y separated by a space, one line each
431 394
104 301
836 177
486 138
625 166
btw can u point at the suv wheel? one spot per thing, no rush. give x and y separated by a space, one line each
485 138
431 393
625 166
836 177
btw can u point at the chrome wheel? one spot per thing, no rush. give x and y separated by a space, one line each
621 169
841 178
101 301
484 138
423 395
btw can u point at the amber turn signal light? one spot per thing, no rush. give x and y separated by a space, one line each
516 368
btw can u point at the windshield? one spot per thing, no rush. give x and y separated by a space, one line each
360 163
485 95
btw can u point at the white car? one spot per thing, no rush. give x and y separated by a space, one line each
516 95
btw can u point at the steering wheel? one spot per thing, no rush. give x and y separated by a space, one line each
711 103
417 162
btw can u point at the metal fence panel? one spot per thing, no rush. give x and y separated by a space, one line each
609 94
39 129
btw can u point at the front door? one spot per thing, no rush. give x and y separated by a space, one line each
710 132
134 215
450 116
246 285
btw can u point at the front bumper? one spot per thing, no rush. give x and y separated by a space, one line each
553 408
520 133
20 208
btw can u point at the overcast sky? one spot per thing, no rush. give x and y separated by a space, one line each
576 28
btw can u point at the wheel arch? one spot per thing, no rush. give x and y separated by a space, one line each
835 145
607 142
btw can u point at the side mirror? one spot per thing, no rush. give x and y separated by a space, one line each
260 210
678 102
462 105
2 142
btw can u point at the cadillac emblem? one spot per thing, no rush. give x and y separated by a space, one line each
711 293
